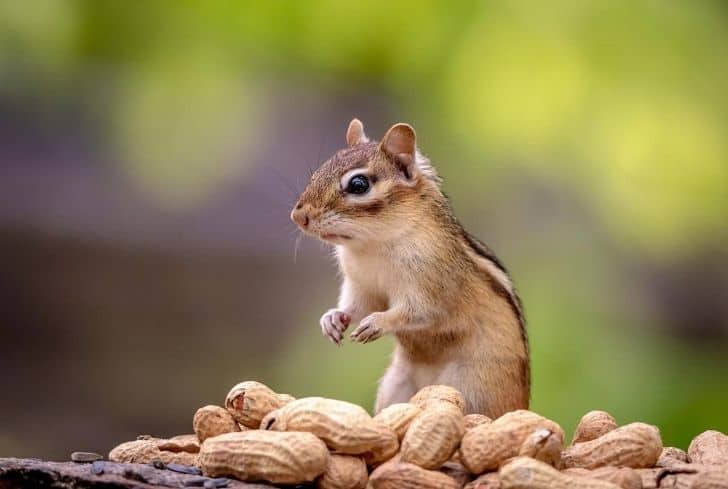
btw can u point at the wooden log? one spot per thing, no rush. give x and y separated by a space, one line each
32 473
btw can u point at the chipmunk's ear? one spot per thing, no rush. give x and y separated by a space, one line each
400 145
355 134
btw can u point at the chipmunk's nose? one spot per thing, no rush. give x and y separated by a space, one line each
299 215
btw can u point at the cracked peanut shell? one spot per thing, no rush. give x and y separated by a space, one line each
248 402
544 445
485 447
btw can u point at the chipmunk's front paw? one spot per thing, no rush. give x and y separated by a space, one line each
333 325
367 330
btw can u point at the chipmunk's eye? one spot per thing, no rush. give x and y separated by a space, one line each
358 184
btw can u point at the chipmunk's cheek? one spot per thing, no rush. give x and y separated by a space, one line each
372 208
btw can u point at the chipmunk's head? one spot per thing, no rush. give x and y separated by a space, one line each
368 191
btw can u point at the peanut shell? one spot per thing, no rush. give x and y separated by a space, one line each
344 427
285 398
712 477
671 456
593 425
181 443
491 480
636 445
343 472
528 473
398 417
211 421
382 452
433 436
709 448
148 450
655 477
401 475
624 477
438 393
255 455
456 470
544 445
250 401
485 447
473 420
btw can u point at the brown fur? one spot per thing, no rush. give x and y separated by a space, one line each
411 270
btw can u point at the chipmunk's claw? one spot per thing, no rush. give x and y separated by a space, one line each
367 330
333 324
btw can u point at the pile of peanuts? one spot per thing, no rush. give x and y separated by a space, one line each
427 443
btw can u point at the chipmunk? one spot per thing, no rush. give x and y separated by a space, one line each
411 270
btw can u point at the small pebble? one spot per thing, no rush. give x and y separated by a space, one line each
158 464
144 437
184 469
85 457
97 468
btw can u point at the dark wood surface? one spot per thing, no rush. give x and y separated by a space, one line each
32 473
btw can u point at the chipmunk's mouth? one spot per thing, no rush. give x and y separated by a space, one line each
334 237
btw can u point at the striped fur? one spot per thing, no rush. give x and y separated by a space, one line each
410 270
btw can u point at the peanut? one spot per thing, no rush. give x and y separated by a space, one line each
593 425
456 470
181 443
544 445
491 480
433 436
401 475
438 393
527 473
486 446
671 456
625 478
473 420
685 476
255 455
650 478
383 451
398 417
148 450
709 448
285 398
343 472
344 427
211 421
250 401
635 445
712 477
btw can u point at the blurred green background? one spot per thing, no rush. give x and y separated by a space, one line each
150 153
